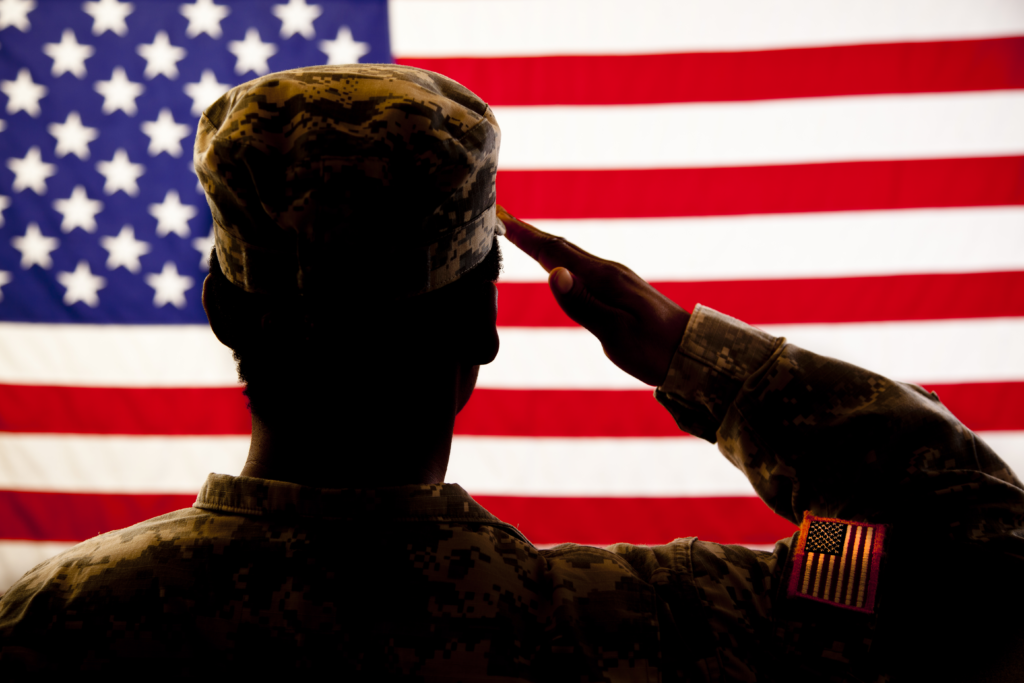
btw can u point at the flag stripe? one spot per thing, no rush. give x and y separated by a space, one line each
865 565
17 557
503 466
123 410
450 28
932 351
734 76
805 581
840 186
492 412
791 131
855 565
812 300
78 463
858 574
51 516
843 563
484 465
941 352
788 246
579 413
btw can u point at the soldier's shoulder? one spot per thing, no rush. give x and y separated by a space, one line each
66 573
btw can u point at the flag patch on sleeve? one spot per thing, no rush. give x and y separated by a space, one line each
836 562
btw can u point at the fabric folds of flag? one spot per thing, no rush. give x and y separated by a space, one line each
848 175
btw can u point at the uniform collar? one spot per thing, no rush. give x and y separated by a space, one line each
414 503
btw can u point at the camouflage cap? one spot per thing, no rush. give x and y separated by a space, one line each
318 177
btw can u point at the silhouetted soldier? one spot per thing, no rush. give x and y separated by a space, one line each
356 254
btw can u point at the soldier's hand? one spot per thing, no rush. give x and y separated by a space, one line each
638 326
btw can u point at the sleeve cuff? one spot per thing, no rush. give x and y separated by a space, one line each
715 357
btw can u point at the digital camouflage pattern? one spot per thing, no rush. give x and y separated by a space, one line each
422 582
357 165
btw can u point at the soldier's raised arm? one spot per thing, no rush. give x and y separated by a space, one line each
889 484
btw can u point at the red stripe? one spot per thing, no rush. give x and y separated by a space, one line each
37 516
731 76
510 412
564 413
810 300
104 410
845 186
47 516
491 412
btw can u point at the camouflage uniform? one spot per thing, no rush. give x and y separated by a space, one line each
421 581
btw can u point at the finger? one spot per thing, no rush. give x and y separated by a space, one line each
550 251
525 236
580 304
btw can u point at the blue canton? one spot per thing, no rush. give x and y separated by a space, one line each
101 217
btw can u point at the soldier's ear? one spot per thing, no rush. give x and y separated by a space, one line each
476 337
225 327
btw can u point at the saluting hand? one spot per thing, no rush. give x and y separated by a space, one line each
636 324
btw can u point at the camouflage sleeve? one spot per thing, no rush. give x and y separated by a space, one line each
815 434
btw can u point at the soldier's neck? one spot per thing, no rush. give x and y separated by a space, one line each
406 441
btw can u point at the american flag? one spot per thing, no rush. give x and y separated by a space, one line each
837 562
849 175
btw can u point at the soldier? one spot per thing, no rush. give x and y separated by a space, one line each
356 253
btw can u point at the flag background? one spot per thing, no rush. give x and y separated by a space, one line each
850 175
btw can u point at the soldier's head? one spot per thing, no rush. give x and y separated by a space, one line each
356 232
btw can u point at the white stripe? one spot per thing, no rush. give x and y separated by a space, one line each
801 245
17 557
116 464
656 467
452 28
978 350
787 131
975 350
114 355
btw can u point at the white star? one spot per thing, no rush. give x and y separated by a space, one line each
172 216
35 247
5 278
119 92
343 49
68 55
31 172
72 136
169 287
252 53
78 210
204 245
23 94
121 174
205 92
204 17
81 285
297 17
4 203
15 13
161 57
164 134
125 250
108 15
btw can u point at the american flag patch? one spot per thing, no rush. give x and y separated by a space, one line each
836 562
